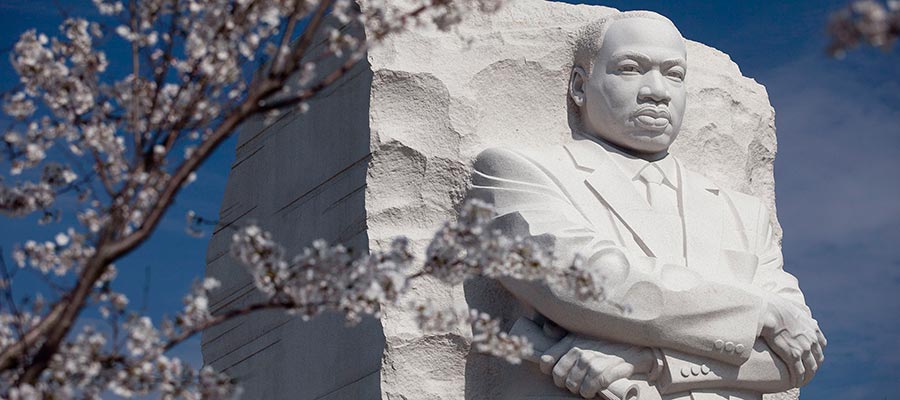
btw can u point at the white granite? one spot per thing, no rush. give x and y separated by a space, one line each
433 112
433 101
697 302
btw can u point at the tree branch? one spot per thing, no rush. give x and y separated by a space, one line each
222 318
305 40
312 91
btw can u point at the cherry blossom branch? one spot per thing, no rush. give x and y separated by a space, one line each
64 78
57 324
8 295
135 73
311 92
225 317
59 321
101 171
286 38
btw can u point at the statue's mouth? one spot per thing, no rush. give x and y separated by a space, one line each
652 118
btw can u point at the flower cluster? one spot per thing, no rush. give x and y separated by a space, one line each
91 366
123 144
488 338
65 252
25 198
196 304
324 277
864 21
469 247
578 279
383 16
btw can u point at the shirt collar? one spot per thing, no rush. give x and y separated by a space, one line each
632 166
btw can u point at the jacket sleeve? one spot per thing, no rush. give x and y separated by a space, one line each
770 274
642 306
763 372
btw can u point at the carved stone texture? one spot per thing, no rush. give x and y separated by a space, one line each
440 98
388 152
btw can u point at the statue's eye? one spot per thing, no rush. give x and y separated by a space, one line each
630 68
676 74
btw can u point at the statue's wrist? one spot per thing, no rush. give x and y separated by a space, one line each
768 320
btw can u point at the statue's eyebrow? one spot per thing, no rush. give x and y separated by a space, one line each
672 62
644 59
631 55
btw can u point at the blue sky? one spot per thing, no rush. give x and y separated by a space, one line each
838 192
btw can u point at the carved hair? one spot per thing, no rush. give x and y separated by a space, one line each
589 38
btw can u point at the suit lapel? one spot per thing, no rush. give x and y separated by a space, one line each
702 206
611 186
703 211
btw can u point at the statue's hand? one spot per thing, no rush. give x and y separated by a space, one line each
796 338
586 366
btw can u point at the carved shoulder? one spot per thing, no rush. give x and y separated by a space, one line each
753 214
748 206
514 165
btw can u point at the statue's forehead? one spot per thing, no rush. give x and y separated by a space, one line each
642 32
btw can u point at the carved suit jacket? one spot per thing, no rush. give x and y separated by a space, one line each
702 311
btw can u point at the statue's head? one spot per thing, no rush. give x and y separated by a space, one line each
627 83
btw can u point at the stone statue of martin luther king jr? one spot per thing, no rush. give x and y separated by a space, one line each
709 312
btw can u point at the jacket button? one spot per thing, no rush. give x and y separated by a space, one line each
685 372
729 347
695 370
719 344
704 369
739 348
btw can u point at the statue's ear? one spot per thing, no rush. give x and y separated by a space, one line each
576 85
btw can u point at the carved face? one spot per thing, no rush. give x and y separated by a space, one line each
635 95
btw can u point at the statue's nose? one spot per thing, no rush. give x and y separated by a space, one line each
654 88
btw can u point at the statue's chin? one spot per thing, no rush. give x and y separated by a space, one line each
646 142
638 138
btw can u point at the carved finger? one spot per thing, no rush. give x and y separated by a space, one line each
554 353
811 366
591 384
822 341
804 341
561 370
803 353
783 349
818 353
801 372
619 371
577 373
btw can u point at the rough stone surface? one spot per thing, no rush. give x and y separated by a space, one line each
430 102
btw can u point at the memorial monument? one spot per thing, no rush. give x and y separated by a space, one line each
698 303
390 149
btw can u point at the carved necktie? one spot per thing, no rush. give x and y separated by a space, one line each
659 195
663 200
